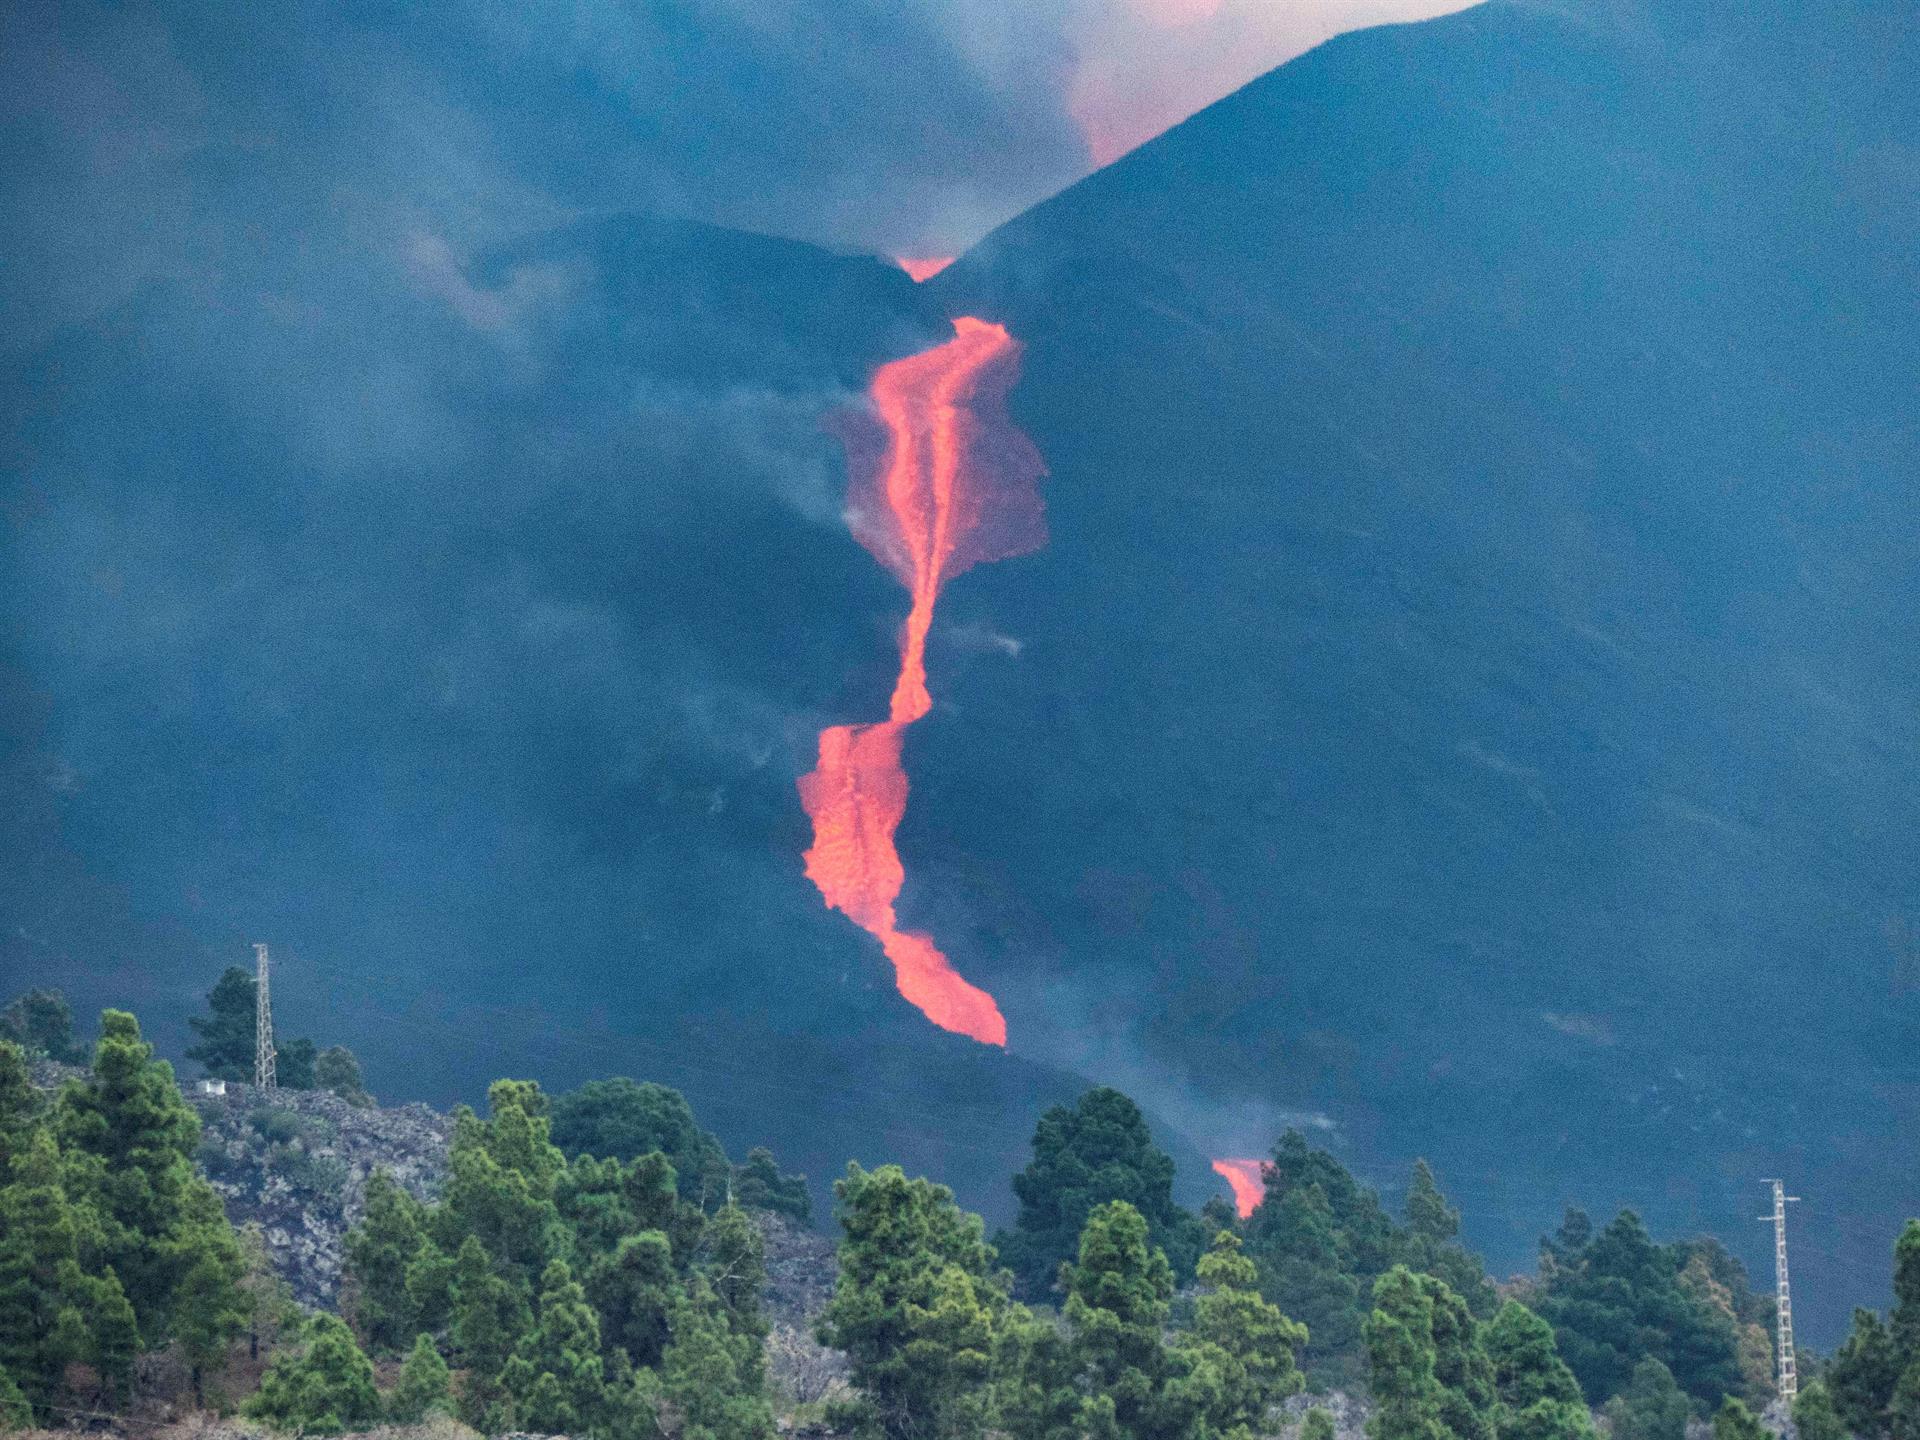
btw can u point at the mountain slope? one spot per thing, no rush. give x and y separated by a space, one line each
1473 679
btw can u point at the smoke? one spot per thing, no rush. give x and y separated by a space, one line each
1141 66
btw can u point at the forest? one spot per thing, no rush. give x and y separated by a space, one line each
595 1265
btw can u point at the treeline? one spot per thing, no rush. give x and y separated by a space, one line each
1654 1334
591 1267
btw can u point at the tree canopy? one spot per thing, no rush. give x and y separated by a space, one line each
1090 1154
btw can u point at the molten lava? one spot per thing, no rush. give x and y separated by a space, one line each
1246 1180
943 483
923 267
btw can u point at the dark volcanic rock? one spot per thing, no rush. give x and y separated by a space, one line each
296 1162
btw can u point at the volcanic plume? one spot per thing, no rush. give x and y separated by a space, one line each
943 482
1247 1181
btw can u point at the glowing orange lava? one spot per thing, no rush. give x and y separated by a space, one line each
945 483
1245 1179
923 267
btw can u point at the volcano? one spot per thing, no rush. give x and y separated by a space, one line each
1466 703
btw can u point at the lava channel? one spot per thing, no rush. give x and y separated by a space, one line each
1247 1180
942 482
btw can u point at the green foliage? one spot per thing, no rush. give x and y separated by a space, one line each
555 1376
1318 1425
1538 1398
226 1031
321 1386
917 1304
1863 1374
338 1069
1098 1151
1402 1357
1814 1415
759 1184
1321 1241
490 1314
711 1373
1652 1407
1734 1421
1235 1362
15 1413
1903 1414
634 1290
1118 1301
380 1252
423 1387
618 1261
734 1266
1619 1298
227 1034
1873 1382
295 1062
620 1119
40 1022
109 1242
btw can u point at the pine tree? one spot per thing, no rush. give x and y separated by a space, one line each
490 1317
1903 1413
1814 1416
337 1069
759 1184
1734 1421
635 1291
15 1412
1429 1217
916 1306
322 1386
19 1105
38 1265
1237 1358
1036 1393
423 1388
1400 1352
130 1138
209 1311
1652 1407
1118 1299
1308 1271
380 1251
734 1264
40 1022
1097 1151
1538 1397
555 1379
711 1374
226 1032
1863 1375
1318 1425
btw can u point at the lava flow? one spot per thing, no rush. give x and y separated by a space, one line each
1246 1179
944 482
922 267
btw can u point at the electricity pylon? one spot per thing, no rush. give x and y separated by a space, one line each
263 1075
1783 1301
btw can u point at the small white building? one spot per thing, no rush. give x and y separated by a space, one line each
213 1087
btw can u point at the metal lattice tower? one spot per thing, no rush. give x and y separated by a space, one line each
263 1075
1783 1301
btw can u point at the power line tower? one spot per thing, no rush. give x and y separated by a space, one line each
1783 1301
263 1075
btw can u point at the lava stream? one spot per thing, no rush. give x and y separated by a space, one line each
1247 1180
944 482
922 267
